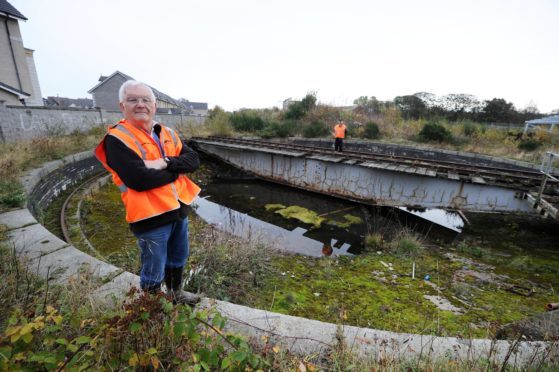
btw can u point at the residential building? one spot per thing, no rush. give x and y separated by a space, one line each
64 102
105 95
19 83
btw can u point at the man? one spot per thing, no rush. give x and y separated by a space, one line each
148 163
339 135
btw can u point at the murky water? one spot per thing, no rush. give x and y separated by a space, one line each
238 205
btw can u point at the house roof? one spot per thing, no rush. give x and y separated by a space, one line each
194 105
8 88
68 102
8 10
158 94
547 120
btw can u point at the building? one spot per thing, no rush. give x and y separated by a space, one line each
105 95
64 102
288 102
195 108
19 83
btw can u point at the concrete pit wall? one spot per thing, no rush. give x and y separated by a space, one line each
55 260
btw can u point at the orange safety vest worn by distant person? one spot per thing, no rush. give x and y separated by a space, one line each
339 130
141 205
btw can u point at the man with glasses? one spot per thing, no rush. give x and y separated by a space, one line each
148 162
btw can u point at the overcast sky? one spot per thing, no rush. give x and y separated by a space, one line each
256 53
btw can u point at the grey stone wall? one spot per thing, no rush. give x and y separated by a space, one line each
23 123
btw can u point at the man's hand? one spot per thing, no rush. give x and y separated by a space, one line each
156 164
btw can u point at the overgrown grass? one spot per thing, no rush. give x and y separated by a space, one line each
17 157
46 327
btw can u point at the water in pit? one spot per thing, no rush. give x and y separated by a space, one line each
240 207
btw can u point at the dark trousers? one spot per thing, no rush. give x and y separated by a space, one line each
339 144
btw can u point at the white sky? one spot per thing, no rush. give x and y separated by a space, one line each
255 53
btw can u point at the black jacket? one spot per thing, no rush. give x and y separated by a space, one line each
135 175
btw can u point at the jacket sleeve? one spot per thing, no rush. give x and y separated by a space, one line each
131 168
187 161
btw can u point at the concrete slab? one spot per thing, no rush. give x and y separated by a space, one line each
34 241
63 264
114 291
17 219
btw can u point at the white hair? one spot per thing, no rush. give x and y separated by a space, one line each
133 83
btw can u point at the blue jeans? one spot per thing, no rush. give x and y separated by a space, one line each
160 248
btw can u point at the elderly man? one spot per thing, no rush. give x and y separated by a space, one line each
148 163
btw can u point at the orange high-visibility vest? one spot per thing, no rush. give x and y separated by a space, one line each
339 130
141 205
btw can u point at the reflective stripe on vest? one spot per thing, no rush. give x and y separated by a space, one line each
141 205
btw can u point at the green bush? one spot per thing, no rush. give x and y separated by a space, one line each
295 111
435 132
529 144
282 129
315 129
246 121
218 124
470 129
371 130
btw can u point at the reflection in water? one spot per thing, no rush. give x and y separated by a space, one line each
450 220
245 226
239 207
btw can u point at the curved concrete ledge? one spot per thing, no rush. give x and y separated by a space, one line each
54 259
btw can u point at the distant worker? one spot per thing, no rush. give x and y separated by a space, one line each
148 162
339 134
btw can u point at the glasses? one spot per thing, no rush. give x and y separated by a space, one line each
136 100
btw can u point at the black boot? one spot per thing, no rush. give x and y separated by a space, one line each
173 281
152 289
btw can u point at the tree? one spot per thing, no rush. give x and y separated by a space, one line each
498 110
295 111
367 105
412 107
531 108
309 102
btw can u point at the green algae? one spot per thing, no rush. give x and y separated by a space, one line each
347 222
302 214
274 207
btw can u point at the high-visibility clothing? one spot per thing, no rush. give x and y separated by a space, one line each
339 130
141 205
